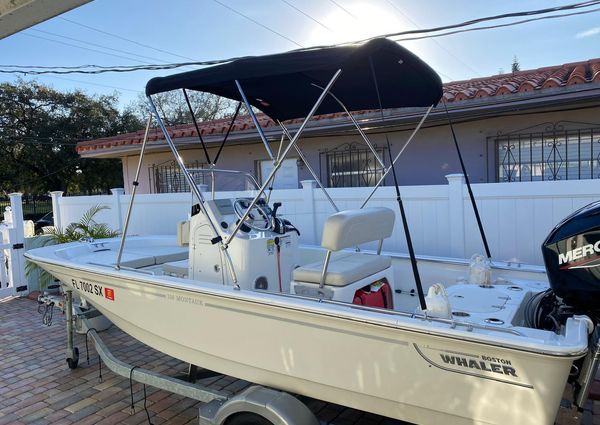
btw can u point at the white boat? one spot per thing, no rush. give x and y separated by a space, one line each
234 292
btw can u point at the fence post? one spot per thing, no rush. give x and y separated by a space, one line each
308 211
117 192
456 210
17 240
56 195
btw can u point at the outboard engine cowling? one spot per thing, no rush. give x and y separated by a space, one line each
572 258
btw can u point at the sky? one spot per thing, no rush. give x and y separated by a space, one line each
138 32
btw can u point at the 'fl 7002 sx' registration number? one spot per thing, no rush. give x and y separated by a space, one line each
94 289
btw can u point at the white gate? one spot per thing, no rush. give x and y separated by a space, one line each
12 262
6 288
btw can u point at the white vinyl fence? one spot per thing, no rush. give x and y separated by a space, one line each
12 263
516 216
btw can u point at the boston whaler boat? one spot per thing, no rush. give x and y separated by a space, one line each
235 293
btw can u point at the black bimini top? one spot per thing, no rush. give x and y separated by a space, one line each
283 85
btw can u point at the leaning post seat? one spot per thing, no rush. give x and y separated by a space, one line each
342 276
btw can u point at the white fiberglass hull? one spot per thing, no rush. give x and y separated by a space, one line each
411 369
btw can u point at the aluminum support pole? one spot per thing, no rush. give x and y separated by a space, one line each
310 169
417 128
285 152
133 192
217 237
358 127
324 272
255 120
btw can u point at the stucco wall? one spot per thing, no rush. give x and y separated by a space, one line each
427 160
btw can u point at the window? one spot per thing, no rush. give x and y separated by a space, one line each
286 177
351 166
168 178
550 155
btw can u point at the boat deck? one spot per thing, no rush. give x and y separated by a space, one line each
37 387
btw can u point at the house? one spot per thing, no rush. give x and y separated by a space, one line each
533 125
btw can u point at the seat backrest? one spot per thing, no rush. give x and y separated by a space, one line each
350 228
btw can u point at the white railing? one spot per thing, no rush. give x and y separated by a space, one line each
516 216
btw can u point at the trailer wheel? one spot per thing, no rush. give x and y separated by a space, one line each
247 418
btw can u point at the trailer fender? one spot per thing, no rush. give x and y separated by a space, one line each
278 407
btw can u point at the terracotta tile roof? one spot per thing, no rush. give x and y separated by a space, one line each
456 91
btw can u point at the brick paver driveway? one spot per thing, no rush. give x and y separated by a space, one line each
37 387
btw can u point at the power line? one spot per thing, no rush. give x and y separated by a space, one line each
37 179
401 12
496 17
237 12
90 83
96 45
83 48
307 15
124 38
524 21
97 69
339 6
38 142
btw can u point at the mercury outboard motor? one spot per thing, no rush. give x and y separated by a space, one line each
572 258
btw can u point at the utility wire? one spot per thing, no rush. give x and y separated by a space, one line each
339 6
237 12
90 83
39 179
96 45
493 18
409 19
97 69
124 38
83 48
315 20
524 21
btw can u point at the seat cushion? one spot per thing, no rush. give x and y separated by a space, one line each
343 270
179 268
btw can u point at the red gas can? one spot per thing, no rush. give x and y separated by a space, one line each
377 294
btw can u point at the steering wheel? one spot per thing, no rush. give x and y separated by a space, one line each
258 214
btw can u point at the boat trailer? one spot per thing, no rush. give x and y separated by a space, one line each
256 405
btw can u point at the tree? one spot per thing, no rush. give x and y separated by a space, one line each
174 109
516 66
39 128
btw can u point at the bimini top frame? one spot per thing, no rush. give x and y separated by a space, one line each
288 85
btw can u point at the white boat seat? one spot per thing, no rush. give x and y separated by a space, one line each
347 229
162 254
138 263
351 228
171 257
179 268
343 270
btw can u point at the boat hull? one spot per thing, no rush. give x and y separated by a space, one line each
421 377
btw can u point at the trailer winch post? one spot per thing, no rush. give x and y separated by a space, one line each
72 351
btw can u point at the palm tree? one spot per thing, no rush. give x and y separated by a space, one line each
86 227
